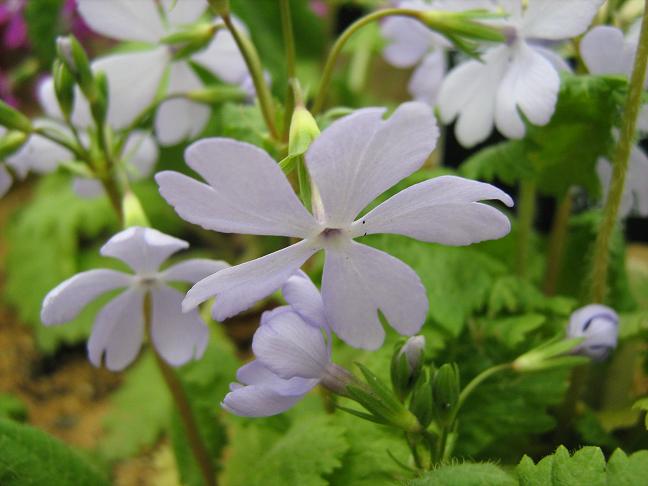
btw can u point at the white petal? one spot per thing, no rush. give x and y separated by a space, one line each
468 92
179 119
133 81
440 210
237 288
357 282
259 401
39 154
5 180
254 373
531 84
81 116
140 153
87 188
290 347
602 50
223 58
143 249
303 296
64 302
178 337
558 19
118 331
247 191
137 20
425 83
180 12
556 60
192 270
361 155
408 41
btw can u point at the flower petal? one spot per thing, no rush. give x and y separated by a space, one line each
179 119
247 192
556 60
440 210
258 401
140 153
290 347
531 84
5 180
237 288
223 57
39 154
87 188
192 270
123 19
359 281
118 331
143 249
408 41
65 301
602 50
425 83
180 12
133 81
178 337
304 297
254 373
558 19
361 155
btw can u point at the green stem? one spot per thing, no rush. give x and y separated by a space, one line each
288 36
318 104
526 214
253 63
61 140
174 385
620 163
114 196
474 383
557 241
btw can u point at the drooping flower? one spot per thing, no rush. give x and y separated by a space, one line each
599 325
352 162
134 78
605 51
292 355
518 75
119 327
411 44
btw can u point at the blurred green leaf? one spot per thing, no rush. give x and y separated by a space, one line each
42 27
465 474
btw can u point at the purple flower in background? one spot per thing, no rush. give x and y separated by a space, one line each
119 327
6 93
75 22
599 325
353 161
15 28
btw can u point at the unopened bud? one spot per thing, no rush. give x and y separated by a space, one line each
133 212
11 142
445 392
13 119
303 130
99 102
406 365
552 354
75 59
422 401
599 325
337 379
187 42
63 87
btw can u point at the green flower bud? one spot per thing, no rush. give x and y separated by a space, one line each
186 42
406 365
13 119
63 87
422 401
445 392
133 212
11 142
99 103
72 54
552 354
303 130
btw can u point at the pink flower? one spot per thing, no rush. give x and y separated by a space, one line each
15 28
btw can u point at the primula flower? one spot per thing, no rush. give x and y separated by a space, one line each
134 78
599 325
15 27
605 51
515 76
292 355
410 43
119 326
352 162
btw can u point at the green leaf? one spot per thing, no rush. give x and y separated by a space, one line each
42 27
12 407
642 404
465 474
623 470
512 331
31 457
300 455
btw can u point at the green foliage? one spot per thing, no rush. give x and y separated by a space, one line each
555 155
269 452
643 406
31 457
585 466
512 331
466 474
42 27
12 407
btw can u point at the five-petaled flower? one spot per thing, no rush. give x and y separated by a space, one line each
119 327
353 161
515 76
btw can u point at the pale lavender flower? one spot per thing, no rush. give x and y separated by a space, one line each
515 76
413 350
293 354
599 325
352 162
134 77
119 327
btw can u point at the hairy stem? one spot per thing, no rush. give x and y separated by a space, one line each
620 169
557 240
181 401
288 36
526 214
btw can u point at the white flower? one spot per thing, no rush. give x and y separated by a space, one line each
515 76
352 162
134 78
599 325
119 327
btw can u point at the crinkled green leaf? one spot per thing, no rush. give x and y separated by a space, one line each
465 474
31 457
512 331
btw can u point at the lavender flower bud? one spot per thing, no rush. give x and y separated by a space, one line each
599 325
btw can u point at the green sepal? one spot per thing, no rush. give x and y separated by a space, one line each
63 87
445 392
422 401
551 354
217 94
72 54
11 142
400 372
362 415
13 119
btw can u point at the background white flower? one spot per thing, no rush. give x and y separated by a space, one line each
119 327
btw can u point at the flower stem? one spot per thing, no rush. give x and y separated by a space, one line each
557 241
318 104
620 166
526 214
253 63
288 36
181 400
